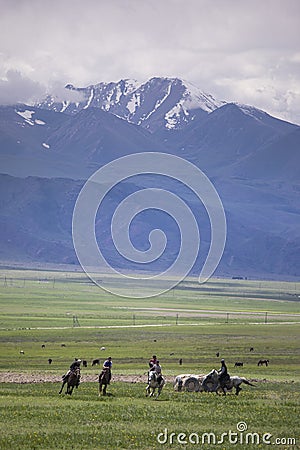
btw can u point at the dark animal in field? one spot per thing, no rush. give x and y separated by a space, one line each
95 362
84 363
104 380
153 384
72 381
43 345
238 364
217 354
50 361
251 349
63 345
211 383
262 362
22 352
180 362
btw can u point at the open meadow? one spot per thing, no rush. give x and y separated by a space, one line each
63 315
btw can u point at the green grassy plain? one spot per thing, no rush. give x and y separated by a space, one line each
35 417
191 322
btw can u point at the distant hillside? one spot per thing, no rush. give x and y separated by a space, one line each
47 151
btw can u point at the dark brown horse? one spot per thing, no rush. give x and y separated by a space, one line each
72 380
263 362
104 380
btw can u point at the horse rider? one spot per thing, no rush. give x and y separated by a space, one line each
107 365
152 361
73 367
156 368
223 374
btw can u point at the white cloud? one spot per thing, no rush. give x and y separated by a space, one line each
16 88
235 50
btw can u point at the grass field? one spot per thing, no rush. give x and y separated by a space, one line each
192 322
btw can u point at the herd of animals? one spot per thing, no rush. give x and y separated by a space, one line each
183 382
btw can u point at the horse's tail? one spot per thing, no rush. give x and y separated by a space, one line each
248 382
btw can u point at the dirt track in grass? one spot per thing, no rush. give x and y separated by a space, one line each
23 378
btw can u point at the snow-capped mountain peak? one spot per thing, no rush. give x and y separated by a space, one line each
158 103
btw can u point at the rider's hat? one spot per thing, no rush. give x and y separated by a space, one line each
222 360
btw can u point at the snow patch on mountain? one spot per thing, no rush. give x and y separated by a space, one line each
134 103
255 113
27 114
65 104
90 99
175 115
195 98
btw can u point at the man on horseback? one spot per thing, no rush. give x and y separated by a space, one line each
223 375
73 367
155 380
107 365
156 368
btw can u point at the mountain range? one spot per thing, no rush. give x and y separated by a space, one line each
49 149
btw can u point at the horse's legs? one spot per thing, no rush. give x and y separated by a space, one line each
223 389
104 389
152 391
61 389
237 390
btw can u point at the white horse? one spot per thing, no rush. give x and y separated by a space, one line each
211 383
153 384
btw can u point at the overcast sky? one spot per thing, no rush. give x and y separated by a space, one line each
236 50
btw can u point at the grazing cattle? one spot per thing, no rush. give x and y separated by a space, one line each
43 345
262 362
102 348
251 349
95 362
238 364
63 345
22 352
50 361
84 363
180 362
217 354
